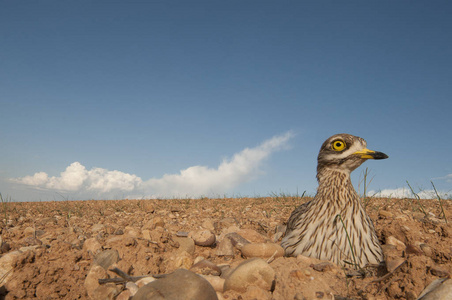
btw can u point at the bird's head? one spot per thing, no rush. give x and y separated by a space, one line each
345 152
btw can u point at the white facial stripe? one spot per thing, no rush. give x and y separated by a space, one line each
356 147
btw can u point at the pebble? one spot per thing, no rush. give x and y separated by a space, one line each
185 244
105 292
263 250
438 289
129 241
322 267
237 240
124 295
154 223
6 265
29 231
418 216
395 242
225 248
216 282
440 272
5 247
206 267
207 224
132 287
148 207
181 284
413 249
203 238
143 281
92 245
384 214
253 271
106 258
254 292
146 233
393 264
426 249
92 279
252 236
183 260
97 227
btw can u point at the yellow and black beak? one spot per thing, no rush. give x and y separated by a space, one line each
370 154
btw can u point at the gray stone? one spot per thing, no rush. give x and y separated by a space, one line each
237 240
437 290
106 258
225 248
179 285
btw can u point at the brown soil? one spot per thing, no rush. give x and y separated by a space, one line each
58 264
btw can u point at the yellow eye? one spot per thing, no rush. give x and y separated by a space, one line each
338 145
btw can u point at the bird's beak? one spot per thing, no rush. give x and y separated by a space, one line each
366 153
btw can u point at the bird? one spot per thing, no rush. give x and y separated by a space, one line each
334 225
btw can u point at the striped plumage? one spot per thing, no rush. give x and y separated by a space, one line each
315 229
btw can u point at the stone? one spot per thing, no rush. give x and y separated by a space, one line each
384 214
124 295
132 287
216 282
146 233
105 292
29 231
322 267
438 271
237 240
158 222
263 250
181 284
185 244
225 248
438 289
6 265
148 207
254 292
413 249
143 281
254 271
106 258
207 224
252 236
395 242
92 245
203 238
97 227
183 260
92 279
129 241
428 251
392 265
206 267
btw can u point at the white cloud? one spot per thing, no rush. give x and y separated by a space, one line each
406 193
191 182
448 178
76 177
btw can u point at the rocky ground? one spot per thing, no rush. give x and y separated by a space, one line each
56 250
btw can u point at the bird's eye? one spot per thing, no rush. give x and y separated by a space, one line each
338 145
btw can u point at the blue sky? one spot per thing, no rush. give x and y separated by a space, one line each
109 99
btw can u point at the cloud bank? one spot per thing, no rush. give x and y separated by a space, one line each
191 182
406 193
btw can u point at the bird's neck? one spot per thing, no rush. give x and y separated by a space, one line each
335 185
